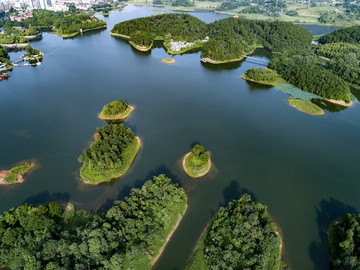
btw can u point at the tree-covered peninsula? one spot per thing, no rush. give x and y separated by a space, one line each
116 110
73 25
16 174
240 236
167 27
197 163
263 76
130 235
343 236
110 155
347 35
233 38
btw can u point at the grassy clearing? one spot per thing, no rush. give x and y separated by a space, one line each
305 106
94 177
121 116
168 60
196 167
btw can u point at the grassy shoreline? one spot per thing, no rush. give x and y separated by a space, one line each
79 32
120 116
274 83
186 167
94 177
16 174
305 106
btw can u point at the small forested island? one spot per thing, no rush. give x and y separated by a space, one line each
343 236
73 25
16 174
116 110
130 235
305 106
240 236
263 76
197 163
110 155
180 32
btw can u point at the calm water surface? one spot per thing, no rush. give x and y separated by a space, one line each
305 168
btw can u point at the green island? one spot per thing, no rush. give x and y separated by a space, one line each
168 60
130 235
263 76
343 238
16 174
73 25
180 32
305 106
116 110
239 236
110 155
197 163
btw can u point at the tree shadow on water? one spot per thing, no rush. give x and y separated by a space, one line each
233 192
163 170
327 211
47 197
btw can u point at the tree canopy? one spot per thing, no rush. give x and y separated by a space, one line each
240 236
348 35
127 236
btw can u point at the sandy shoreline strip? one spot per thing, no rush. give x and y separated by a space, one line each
119 116
340 102
186 170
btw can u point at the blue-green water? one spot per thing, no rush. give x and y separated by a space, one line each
303 167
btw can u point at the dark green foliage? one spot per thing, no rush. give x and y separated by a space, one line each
182 3
115 107
336 50
241 236
348 35
179 26
344 236
106 153
232 5
292 13
260 74
11 178
3 52
235 37
142 38
101 7
346 67
124 237
72 24
12 39
306 75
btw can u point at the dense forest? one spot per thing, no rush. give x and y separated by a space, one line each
179 27
115 107
72 24
232 38
348 35
127 236
343 236
303 73
260 74
240 236
112 150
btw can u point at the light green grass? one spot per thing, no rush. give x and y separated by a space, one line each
305 106
168 60
11 178
121 116
195 167
277 82
94 177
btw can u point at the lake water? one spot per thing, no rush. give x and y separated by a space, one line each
305 168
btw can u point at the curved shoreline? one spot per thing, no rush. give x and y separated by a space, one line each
20 177
169 236
119 35
275 83
198 175
215 62
107 178
82 31
340 102
120 116
141 48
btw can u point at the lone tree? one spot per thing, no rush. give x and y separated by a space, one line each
198 150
